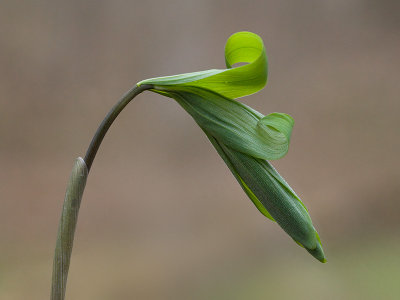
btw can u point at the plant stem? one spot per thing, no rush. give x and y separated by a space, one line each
73 196
108 120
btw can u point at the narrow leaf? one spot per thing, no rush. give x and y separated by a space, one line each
244 186
234 82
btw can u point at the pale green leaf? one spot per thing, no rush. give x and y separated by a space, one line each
234 82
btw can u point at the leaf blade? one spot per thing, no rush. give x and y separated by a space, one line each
236 124
233 82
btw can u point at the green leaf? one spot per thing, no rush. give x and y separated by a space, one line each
234 82
283 205
244 186
272 196
276 128
236 124
278 198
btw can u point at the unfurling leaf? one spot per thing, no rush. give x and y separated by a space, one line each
243 137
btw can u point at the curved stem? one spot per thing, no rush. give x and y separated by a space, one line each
108 120
73 196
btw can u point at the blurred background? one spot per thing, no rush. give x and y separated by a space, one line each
162 217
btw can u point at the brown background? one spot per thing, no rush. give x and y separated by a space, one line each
162 217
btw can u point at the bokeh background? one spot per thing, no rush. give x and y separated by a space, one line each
162 217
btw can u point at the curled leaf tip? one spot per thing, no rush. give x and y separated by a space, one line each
234 82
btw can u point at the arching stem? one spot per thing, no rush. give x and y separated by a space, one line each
73 196
108 120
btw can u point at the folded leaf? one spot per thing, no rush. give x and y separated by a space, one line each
276 128
241 47
237 125
244 186
273 192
